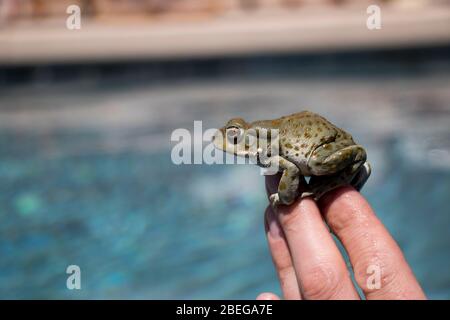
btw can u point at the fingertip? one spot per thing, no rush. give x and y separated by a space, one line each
346 191
267 296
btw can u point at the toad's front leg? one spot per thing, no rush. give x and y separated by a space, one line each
288 187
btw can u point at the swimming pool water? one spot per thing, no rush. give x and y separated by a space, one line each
86 179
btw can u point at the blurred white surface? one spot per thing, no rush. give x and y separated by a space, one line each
313 29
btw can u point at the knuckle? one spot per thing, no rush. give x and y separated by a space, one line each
285 275
364 269
346 219
322 281
389 277
350 219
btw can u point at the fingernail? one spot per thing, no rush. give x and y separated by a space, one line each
273 224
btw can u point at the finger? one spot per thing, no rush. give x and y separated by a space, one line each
319 266
378 263
281 257
267 296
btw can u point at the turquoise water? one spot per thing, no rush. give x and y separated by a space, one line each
86 179
133 223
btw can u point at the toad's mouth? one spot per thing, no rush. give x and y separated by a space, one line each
237 148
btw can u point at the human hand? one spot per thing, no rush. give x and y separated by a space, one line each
308 262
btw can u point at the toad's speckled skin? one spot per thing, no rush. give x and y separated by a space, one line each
309 145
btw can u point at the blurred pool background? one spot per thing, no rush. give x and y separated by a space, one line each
87 179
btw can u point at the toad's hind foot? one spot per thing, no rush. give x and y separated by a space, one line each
361 176
355 176
306 194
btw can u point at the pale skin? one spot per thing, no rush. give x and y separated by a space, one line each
301 215
308 262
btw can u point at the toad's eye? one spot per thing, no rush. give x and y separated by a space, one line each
234 134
